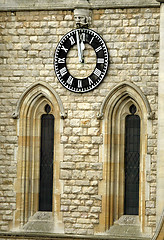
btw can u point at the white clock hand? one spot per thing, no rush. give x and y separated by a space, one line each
79 47
82 50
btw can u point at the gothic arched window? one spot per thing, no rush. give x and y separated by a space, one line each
46 161
38 187
125 124
132 162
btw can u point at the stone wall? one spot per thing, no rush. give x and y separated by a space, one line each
28 42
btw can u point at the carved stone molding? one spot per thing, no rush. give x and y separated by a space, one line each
42 86
125 88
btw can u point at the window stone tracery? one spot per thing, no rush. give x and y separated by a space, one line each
113 112
31 107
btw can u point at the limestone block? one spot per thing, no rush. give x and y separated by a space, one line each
83 209
90 190
94 175
64 208
64 174
95 209
64 139
93 131
67 165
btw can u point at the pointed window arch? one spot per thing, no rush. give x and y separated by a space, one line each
114 112
39 110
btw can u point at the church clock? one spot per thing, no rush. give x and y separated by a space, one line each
81 37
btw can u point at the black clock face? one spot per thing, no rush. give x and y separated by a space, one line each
81 38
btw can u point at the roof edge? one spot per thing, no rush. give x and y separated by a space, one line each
18 5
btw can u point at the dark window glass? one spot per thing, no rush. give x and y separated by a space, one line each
46 161
132 160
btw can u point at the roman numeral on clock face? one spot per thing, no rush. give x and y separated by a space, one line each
82 37
65 49
91 40
90 81
98 49
97 72
61 60
79 83
63 71
100 60
72 40
70 80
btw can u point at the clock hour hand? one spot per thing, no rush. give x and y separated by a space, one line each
79 47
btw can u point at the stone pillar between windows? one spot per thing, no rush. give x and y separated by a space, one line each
160 162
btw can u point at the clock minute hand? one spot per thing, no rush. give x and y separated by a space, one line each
78 47
82 50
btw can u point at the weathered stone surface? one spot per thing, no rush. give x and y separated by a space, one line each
29 40
40 222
